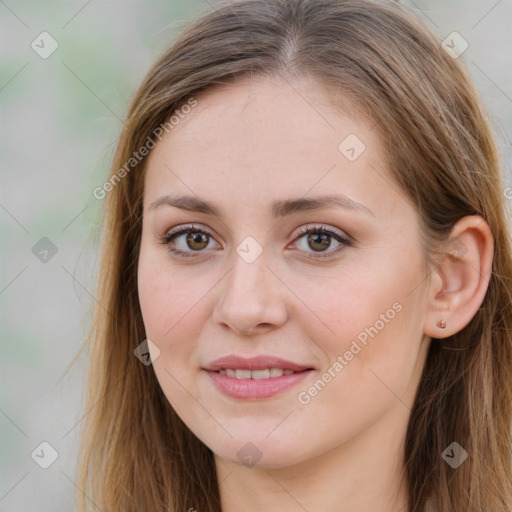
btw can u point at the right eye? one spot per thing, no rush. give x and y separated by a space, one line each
193 241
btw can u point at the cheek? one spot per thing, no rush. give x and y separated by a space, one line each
370 315
370 360
172 302
166 309
171 310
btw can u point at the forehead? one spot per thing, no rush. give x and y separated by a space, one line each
264 139
257 110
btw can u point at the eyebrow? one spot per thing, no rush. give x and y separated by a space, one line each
277 209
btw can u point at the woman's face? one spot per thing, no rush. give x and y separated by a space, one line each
346 305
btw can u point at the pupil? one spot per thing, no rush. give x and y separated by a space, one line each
324 241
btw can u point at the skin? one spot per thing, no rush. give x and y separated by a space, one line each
242 147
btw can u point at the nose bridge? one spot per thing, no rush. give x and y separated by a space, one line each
248 276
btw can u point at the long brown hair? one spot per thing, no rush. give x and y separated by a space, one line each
136 454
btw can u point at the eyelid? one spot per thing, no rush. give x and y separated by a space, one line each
320 227
183 228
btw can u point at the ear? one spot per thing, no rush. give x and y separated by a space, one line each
459 283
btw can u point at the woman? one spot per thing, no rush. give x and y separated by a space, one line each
305 233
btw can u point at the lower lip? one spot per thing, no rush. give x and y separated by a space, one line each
255 389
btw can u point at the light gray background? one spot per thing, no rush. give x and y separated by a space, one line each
59 119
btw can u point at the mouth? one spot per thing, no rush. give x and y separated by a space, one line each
256 377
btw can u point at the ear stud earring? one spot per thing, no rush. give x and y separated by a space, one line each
441 324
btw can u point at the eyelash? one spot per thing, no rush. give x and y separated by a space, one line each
303 230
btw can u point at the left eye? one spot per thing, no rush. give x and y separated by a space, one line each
317 238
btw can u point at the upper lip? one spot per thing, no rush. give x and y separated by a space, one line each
254 363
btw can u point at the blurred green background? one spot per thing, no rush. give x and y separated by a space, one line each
60 116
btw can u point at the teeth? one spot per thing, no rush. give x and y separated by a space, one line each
261 374
267 373
243 374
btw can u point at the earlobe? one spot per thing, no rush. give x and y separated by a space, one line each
460 281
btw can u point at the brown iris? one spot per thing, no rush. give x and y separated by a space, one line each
197 238
321 240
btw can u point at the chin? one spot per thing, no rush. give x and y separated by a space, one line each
262 454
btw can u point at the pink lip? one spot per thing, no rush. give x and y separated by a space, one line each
255 389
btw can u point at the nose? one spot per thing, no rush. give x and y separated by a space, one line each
251 298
